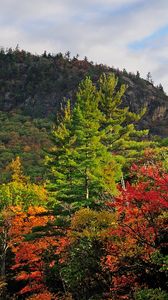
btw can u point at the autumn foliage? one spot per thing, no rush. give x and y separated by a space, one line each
139 238
97 228
122 247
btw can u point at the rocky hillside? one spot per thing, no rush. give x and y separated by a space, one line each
37 86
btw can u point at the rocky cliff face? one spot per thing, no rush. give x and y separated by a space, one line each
144 94
38 86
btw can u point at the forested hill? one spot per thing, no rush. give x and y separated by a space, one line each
83 191
37 86
32 90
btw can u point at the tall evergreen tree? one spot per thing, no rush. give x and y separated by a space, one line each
121 136
91 143
60 159
81 166
96 166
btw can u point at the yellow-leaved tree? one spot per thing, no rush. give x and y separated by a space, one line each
20 190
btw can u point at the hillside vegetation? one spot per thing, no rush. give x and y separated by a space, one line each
39 85
84 187
33 89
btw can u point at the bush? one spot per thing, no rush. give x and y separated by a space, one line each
151 294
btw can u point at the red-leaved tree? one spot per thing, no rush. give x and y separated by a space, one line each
136 250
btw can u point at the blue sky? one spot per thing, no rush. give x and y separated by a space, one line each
131 34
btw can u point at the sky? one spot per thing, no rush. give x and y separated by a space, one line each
130 34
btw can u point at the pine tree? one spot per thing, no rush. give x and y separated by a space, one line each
60 159
17 171
95 164
81 166
91 145
121 136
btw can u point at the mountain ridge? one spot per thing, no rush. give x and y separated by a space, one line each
38 85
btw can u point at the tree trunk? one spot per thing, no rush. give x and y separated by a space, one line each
4 247
86 185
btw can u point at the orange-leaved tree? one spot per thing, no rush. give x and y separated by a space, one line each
36 243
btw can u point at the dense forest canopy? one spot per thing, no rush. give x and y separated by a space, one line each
84 186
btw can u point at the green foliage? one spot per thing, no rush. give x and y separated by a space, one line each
20 191
92 143
161 260
88 250
91 156
121 136
151 294
92 224
81 166
14 193
21 136
38 86
164 142
82 273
